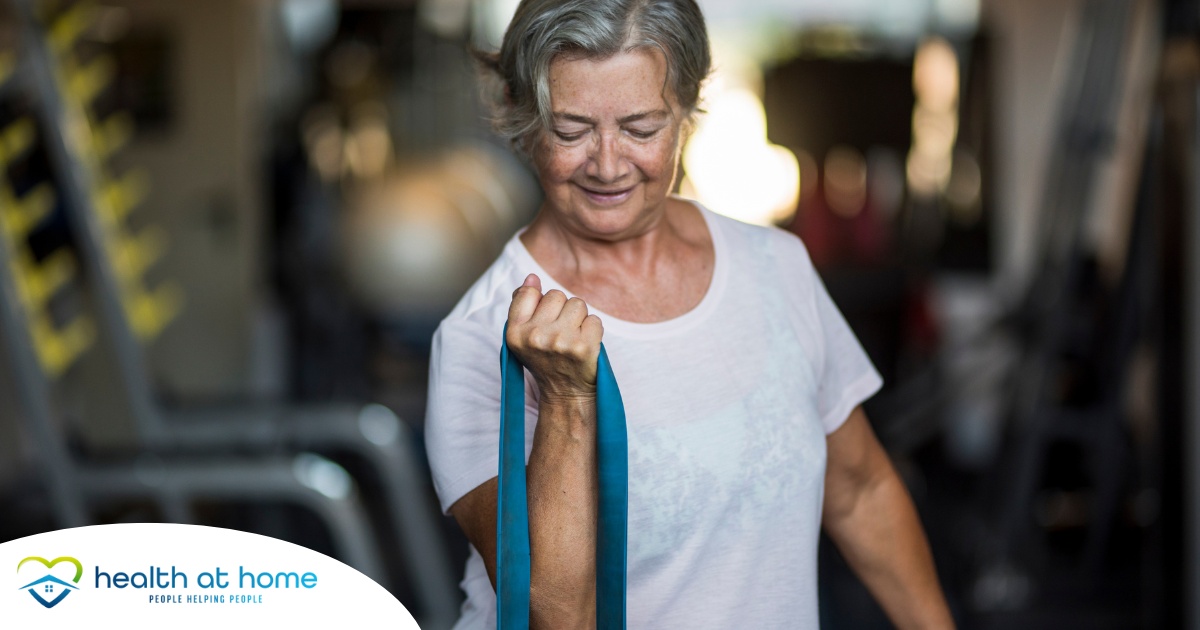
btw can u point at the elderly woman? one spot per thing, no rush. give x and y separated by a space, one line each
741 380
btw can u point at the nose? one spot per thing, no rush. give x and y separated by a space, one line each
606 162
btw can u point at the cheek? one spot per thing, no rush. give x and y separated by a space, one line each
657 159
557 164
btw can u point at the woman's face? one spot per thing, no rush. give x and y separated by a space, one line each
609 160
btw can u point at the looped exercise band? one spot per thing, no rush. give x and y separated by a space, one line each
512 526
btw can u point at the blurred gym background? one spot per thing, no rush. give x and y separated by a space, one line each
231 226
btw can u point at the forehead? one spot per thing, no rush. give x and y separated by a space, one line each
631 81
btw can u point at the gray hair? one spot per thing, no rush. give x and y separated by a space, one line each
595 29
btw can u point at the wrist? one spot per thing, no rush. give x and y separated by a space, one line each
566 393
568 401
572 412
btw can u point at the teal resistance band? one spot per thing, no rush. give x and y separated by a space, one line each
512 526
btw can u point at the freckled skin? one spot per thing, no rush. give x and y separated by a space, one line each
635 253
640 155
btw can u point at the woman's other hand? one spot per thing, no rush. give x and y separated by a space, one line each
556 339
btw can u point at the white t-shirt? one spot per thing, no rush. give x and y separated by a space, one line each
727 408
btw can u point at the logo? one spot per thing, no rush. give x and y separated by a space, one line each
43 589
165 576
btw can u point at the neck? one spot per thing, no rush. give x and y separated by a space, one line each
570 255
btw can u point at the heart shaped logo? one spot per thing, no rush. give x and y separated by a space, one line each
44 589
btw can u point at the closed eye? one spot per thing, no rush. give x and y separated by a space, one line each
642 134
569 137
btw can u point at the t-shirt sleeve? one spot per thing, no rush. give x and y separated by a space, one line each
845 375
462 418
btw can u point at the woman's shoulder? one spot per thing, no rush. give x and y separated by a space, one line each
771 241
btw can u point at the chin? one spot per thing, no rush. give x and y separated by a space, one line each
612 221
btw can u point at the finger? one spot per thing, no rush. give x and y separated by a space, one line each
573 313
593 331
532 280
549 307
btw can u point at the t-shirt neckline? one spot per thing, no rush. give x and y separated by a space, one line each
625 328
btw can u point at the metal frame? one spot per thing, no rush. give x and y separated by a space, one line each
1085 124
1191 380
74 485
379 439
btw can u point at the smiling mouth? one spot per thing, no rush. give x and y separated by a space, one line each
607 197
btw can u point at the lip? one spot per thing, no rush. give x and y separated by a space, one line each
607 197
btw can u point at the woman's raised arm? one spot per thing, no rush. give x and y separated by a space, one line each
559 342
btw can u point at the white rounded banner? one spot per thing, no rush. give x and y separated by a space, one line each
183 576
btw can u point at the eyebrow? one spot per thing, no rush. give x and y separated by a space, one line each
658 113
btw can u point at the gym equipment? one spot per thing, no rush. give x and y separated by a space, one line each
38 352
187 452
76 486
413 243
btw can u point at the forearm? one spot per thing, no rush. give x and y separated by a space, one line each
561 482
881 537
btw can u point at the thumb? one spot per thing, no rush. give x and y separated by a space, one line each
525 303
533 281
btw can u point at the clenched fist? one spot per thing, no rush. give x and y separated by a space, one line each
556 339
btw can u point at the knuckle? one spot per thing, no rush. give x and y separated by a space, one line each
518 342
562 345
538 338
556 294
